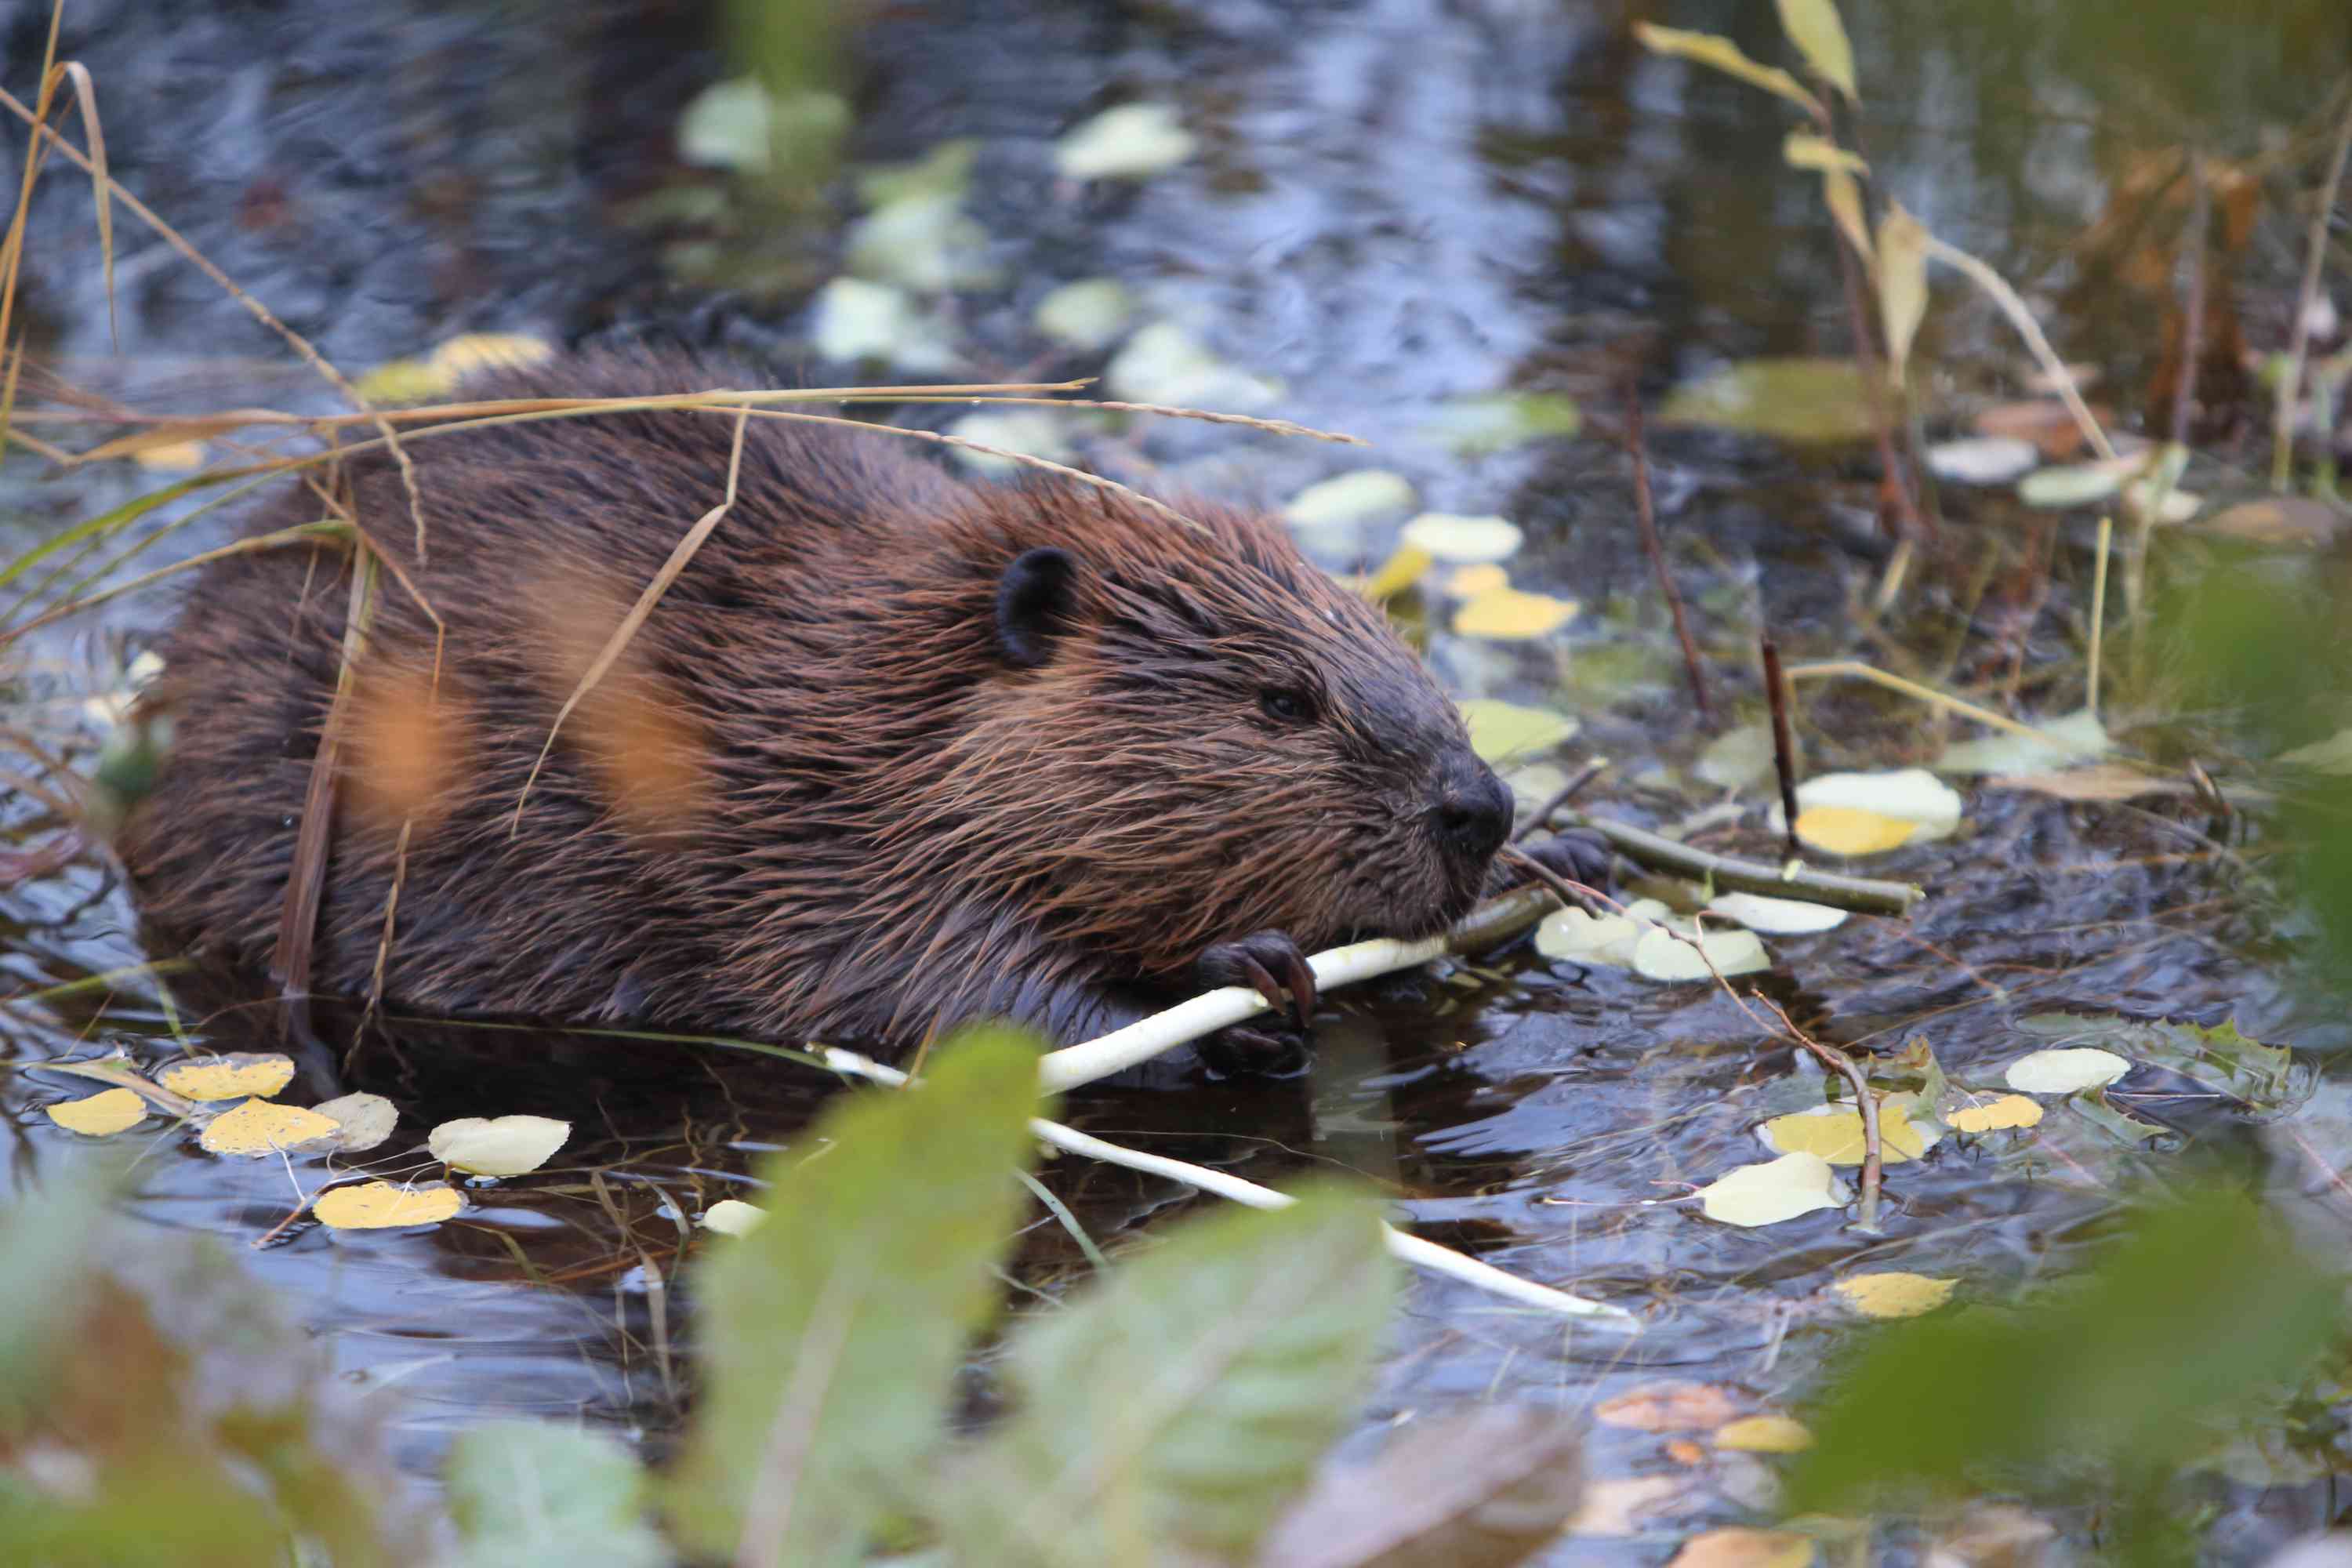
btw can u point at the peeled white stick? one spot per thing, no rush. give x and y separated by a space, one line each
1139 1042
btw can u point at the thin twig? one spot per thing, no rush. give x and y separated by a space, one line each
1562 797
1865 1105
1725 873
2316 256
2098 612
2020 316
1646 513
1784 744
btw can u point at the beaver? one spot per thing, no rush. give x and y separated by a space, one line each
895 751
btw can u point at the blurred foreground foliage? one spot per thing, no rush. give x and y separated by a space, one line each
1176 1412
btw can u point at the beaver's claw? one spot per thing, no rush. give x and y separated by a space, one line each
1256 961
1576 854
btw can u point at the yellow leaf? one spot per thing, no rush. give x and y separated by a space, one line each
1814 27
1466 541
1894 1294
173 457
100 1115
1844 198
1902 283
402 380
1769 1193
260 1074
1469 581
257 1128
1398 573
1502 729
1738 1547
463 356
506 1146
1835 1134
1803 150
1668 1407
375 1206
1512 616
1850 830
1765 1435
1723 55
2009 1110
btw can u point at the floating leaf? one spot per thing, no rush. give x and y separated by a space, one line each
1165 363
1774 1191
1982 459
733 1216
2066 1071
498 1146
534 1494
471 353
944 171
363 1120
858 320
2075 738
1996 1115
1764 1435
1465 539
2082 484
1495 422
1573 936
1814 27
259 1128
1130 143
1469 581
1504 730
258 1074
100 1115
1850 830
1902 277
1351 498
1031 432
381 1205
1723 55
1510 615
1912 795
1776 917
1737 757
1798 400
2100 782
1087 315
928 244
170 457
1894 1294
1834 1132
1667 955
1398 573
1669 1408
729 125
1738 1547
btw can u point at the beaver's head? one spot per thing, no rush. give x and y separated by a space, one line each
1193 734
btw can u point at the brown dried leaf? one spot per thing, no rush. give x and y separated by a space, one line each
1669 1408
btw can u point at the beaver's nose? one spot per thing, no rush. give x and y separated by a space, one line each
1473 816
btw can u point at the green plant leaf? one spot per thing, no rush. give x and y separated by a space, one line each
1814 25
530 1494
1800 400
832 1333
1902 284
1723 55
1186 1401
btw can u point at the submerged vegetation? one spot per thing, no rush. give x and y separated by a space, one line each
2067 1280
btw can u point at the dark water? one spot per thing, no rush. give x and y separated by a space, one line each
1396 203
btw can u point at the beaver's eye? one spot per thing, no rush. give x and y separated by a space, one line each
1286 705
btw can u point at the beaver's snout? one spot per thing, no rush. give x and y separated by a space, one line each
1472 814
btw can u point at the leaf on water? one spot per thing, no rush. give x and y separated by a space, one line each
1484 1489
2076 737
928 244
172 458
1031 432
1815 28
1669 1408
2078 484
832 1333
100 1115
1669 955
498 1146
2094 1106
259 1128
1723 55
1798 400
1834 1132
258 1074
1500 731
1165 363
944 171
1742 1548
2100 782
1469 581
1581 938
1892 1293
1399 572
855 319
1187 1400
1458 540
1736 758
1351 498
401 381
469 352
2218 1056
1912 795
1776 917
381 1205
733 1216
1983 459
1777 1190
1510 615
536 1494
1495 422
1647 940
2066 1071
1131 142
1850 830
1620 1505
1902 277
1995 1115
1087 315
1804 150
1765 1435
361 1121
729 125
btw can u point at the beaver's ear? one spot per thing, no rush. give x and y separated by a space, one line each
1033 601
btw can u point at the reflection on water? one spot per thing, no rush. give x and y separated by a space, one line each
1397 205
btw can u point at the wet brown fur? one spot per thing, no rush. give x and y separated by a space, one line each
884 824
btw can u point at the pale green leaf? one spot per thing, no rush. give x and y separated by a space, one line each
1814 25
1723 55
529 1494
1902 282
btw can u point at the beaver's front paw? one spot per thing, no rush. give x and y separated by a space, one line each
1580 855
1271 964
